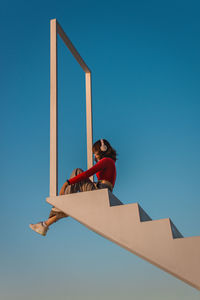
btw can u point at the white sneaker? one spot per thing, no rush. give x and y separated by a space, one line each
39 228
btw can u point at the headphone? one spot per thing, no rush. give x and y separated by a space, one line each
103 146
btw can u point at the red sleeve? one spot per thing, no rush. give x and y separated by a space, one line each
97 167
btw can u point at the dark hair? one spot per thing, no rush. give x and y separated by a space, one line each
110 152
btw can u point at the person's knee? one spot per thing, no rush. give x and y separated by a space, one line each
78 171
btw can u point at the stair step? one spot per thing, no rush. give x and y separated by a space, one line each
128 225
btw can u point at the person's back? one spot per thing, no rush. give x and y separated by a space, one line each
107 170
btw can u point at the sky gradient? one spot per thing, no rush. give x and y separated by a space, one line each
144 58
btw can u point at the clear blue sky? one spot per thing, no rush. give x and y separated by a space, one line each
144 57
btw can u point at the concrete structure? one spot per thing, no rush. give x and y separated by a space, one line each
157 241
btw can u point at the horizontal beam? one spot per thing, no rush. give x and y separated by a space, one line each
72 49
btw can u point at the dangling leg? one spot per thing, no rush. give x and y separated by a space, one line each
82 186
56 214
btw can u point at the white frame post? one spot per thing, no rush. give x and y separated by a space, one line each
88 88
56 28
53 112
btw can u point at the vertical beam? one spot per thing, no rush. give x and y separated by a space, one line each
89 119
56 28
53 111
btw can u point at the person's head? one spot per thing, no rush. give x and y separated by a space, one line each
102 148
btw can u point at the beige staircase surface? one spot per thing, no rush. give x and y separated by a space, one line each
157 241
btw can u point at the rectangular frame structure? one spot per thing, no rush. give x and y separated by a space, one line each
55 29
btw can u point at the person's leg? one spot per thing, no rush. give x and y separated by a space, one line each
51 221
56 214
82 186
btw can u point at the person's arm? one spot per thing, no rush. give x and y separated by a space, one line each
93 170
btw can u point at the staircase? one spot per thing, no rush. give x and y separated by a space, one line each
128 225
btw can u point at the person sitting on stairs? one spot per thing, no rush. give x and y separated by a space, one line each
105 170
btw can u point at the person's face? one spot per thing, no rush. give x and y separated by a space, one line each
96 156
